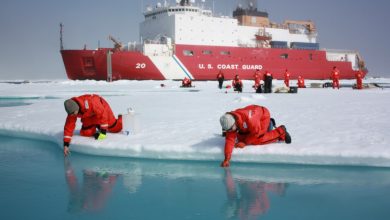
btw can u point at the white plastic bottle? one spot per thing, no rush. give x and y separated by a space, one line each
129 123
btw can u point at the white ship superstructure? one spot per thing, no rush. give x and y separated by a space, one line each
191 24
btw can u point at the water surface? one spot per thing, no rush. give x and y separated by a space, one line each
38 183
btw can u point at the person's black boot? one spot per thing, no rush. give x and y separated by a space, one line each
287 137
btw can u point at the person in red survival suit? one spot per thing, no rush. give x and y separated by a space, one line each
94 193
186 82
301 82
287 78
257 74
248 199
257 86
237 84
96 118
359 80
335 76
250 126
220 78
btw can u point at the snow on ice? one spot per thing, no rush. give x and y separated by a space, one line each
328 127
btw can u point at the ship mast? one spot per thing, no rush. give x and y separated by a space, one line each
61 43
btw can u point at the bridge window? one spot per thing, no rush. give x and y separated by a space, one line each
207 52
188 53
225 52
253 20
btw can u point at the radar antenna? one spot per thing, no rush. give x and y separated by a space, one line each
184 3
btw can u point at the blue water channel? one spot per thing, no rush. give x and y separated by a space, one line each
38 183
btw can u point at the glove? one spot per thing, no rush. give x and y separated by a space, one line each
240 145
100 136
225 163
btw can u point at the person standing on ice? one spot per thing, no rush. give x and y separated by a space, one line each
287 78
301 82
251 125
359 80
257 86
335 76
237 84
268 82
220 78
257 75
96 117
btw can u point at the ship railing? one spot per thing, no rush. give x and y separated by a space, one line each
340 51
247 45
136 45
277 25
340 55
263 44
154 42
153 12
132 46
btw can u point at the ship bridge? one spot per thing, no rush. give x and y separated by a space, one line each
182 6
187 23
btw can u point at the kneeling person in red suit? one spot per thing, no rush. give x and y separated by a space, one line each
96 118
250 126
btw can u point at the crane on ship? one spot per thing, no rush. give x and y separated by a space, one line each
117 45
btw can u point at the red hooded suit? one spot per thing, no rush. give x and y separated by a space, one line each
335 76
252 122
94 113
359 80
287 78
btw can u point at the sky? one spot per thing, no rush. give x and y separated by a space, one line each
29 30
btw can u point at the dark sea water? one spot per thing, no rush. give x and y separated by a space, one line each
38 183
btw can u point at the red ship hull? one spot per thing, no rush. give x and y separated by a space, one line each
92 64
198 65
